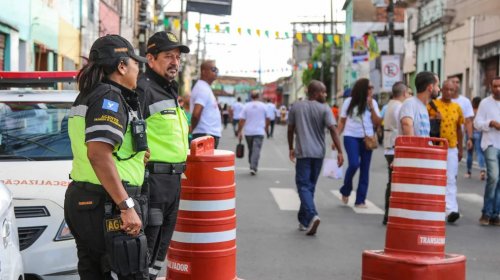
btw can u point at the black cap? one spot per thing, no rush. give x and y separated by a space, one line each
164 41
107 49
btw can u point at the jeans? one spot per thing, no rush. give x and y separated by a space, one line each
491 205
270 131
235 126
306 175
479 153
254 143
359 157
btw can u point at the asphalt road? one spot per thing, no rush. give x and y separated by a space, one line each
270 247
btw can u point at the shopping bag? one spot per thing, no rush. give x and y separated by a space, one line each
240 150
331 168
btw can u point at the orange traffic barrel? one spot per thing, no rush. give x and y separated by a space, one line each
416 223
203 246
378 265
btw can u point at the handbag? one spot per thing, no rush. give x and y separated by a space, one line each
240 150
371 142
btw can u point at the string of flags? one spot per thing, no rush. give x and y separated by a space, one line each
298 66
217 28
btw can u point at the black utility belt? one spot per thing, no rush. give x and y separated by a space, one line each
131 190
166 168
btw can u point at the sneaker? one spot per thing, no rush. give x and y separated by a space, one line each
361 205
453 217
495 221
302 227
467 175
484 220
253 172
313 226
345 199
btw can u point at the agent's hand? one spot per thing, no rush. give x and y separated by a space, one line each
131 223
147 155
340 159
292 155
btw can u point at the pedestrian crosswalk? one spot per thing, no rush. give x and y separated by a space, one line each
287 199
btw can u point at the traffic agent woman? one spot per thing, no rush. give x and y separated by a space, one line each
108 165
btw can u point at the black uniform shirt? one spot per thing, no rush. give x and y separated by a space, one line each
153 88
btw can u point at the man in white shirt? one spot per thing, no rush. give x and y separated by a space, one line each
206 117
254 121
399 94
467 111
235 114
271 111
488 121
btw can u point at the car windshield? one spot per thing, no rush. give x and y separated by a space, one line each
34 130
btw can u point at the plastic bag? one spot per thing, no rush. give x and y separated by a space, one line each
330 167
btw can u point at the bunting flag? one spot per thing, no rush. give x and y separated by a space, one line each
299 37
319 37
177 23
309 37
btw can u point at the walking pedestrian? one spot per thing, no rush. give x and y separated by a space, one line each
101 205
359 117
468 112
307 121
476 147
399 94
271 112
488 121
206 116
225 115
168 141
452 120
235 112
413 115
254 122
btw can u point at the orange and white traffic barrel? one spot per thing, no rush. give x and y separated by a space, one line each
416 229
203 246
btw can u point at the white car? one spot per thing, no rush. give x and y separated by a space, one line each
35 162
11 263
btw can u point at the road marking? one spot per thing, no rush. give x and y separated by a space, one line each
287 199
471 197
264 169
370 207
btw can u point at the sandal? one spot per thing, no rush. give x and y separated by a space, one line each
345 199
482 175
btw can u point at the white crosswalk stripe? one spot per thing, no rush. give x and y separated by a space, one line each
471 197
370 207
287 199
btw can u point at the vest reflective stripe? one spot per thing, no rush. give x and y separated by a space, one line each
131 170
80 110
162 105
167 132
104 128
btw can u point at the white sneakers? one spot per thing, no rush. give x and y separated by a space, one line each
313 226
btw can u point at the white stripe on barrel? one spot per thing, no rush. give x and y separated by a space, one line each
204 237
207 205
417 215
420 163
225 168
420 189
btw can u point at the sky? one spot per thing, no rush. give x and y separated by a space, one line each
241 55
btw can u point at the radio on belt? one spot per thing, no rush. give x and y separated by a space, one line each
139 135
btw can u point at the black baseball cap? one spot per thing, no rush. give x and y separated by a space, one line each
164 41
107 49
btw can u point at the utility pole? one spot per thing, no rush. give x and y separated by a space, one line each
198 47
181 70
390 20
323 52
